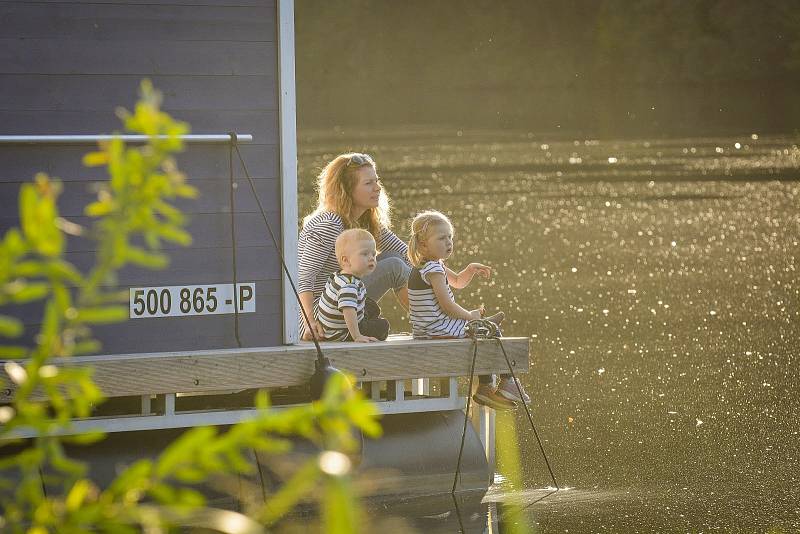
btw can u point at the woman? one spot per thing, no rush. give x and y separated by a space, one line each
350 196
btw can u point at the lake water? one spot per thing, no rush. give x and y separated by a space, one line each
656 279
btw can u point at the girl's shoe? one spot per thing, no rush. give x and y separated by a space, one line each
487 396
508 390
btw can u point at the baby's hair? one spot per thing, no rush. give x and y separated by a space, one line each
421 227
350 236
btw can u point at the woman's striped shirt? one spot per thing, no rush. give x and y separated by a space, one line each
316 257
427 317
341 291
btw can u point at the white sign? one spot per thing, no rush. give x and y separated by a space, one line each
180 301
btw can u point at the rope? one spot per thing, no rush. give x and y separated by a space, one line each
484 329
466 413
235 146
233 241
528 412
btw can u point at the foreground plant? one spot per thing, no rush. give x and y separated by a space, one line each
154 496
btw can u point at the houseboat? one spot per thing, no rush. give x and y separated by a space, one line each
223 66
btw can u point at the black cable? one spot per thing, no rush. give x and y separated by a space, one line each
528 412
466 413
461 528
233 243
320 356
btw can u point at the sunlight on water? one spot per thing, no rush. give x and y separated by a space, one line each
657 281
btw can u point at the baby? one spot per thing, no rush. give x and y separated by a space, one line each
343 309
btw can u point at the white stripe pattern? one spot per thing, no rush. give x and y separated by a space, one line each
427 317
316 257
341 291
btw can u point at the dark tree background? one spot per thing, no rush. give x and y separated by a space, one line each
605 67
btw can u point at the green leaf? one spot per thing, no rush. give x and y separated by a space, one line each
78 493
10 326
14 243
28 292
182 449
13 352
102 315
29 268
175 235
339 513
143 258
38 215
87 347
99 208
95 159
86 438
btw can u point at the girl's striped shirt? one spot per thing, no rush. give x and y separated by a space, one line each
427 317
341 291
316 257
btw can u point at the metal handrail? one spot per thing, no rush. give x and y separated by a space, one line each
88 139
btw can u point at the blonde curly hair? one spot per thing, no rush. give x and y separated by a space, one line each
421 227
335 185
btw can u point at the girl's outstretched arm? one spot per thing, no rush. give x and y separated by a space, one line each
462 279
449 307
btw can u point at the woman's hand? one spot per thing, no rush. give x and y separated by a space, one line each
484 271
476 314
365 339
318 330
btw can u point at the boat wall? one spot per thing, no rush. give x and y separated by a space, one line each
64 69
416 457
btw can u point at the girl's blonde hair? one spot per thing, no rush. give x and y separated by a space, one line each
335 185
421 228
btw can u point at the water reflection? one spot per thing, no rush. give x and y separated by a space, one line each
657 282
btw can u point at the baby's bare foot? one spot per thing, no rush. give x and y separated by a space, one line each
497 318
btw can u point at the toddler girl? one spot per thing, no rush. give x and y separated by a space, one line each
433 309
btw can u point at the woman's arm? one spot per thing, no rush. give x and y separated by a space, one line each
314 247
437 282
389 242
307 301
462 279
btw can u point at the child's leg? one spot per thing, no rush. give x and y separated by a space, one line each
371 309
512 389
376 327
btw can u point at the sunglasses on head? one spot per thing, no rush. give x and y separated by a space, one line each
359 160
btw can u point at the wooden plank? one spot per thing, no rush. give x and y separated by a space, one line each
262 124
260 329
197 266
212 198
208 230
20 162
137 21
395 359
58 92
231 3
268 293
137 57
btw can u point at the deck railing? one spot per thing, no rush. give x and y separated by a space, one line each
215 387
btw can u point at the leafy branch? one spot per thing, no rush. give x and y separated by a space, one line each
133 217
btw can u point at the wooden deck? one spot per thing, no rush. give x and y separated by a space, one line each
398 358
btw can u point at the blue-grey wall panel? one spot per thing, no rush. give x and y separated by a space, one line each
65 66
54 92
145 58
199 162
209 230
212 331
213 198
95 20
